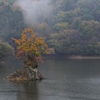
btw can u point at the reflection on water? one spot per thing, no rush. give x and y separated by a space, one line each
28 91
66 79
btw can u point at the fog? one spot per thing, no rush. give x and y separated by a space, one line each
34 11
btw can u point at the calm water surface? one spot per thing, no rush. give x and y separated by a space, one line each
66 79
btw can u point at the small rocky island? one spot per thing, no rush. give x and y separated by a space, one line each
29 49
26 74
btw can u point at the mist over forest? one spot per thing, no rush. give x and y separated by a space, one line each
71 27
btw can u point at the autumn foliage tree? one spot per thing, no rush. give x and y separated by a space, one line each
30 47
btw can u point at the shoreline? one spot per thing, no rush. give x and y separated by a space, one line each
55 57
84 57
71 57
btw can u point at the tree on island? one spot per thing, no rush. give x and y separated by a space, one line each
29 49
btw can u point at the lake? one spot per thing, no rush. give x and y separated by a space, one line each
66 79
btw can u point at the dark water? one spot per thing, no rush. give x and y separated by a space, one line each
66 79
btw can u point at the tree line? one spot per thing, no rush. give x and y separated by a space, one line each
73 28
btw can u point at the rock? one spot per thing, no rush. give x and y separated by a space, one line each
26 74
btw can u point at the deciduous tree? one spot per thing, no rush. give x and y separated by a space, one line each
30 47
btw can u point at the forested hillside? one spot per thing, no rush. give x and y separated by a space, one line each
72 27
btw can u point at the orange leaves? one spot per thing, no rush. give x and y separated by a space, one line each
26 30
16 41
30 46
39 59
20 53
23 38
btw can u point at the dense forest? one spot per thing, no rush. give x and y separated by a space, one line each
71 27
